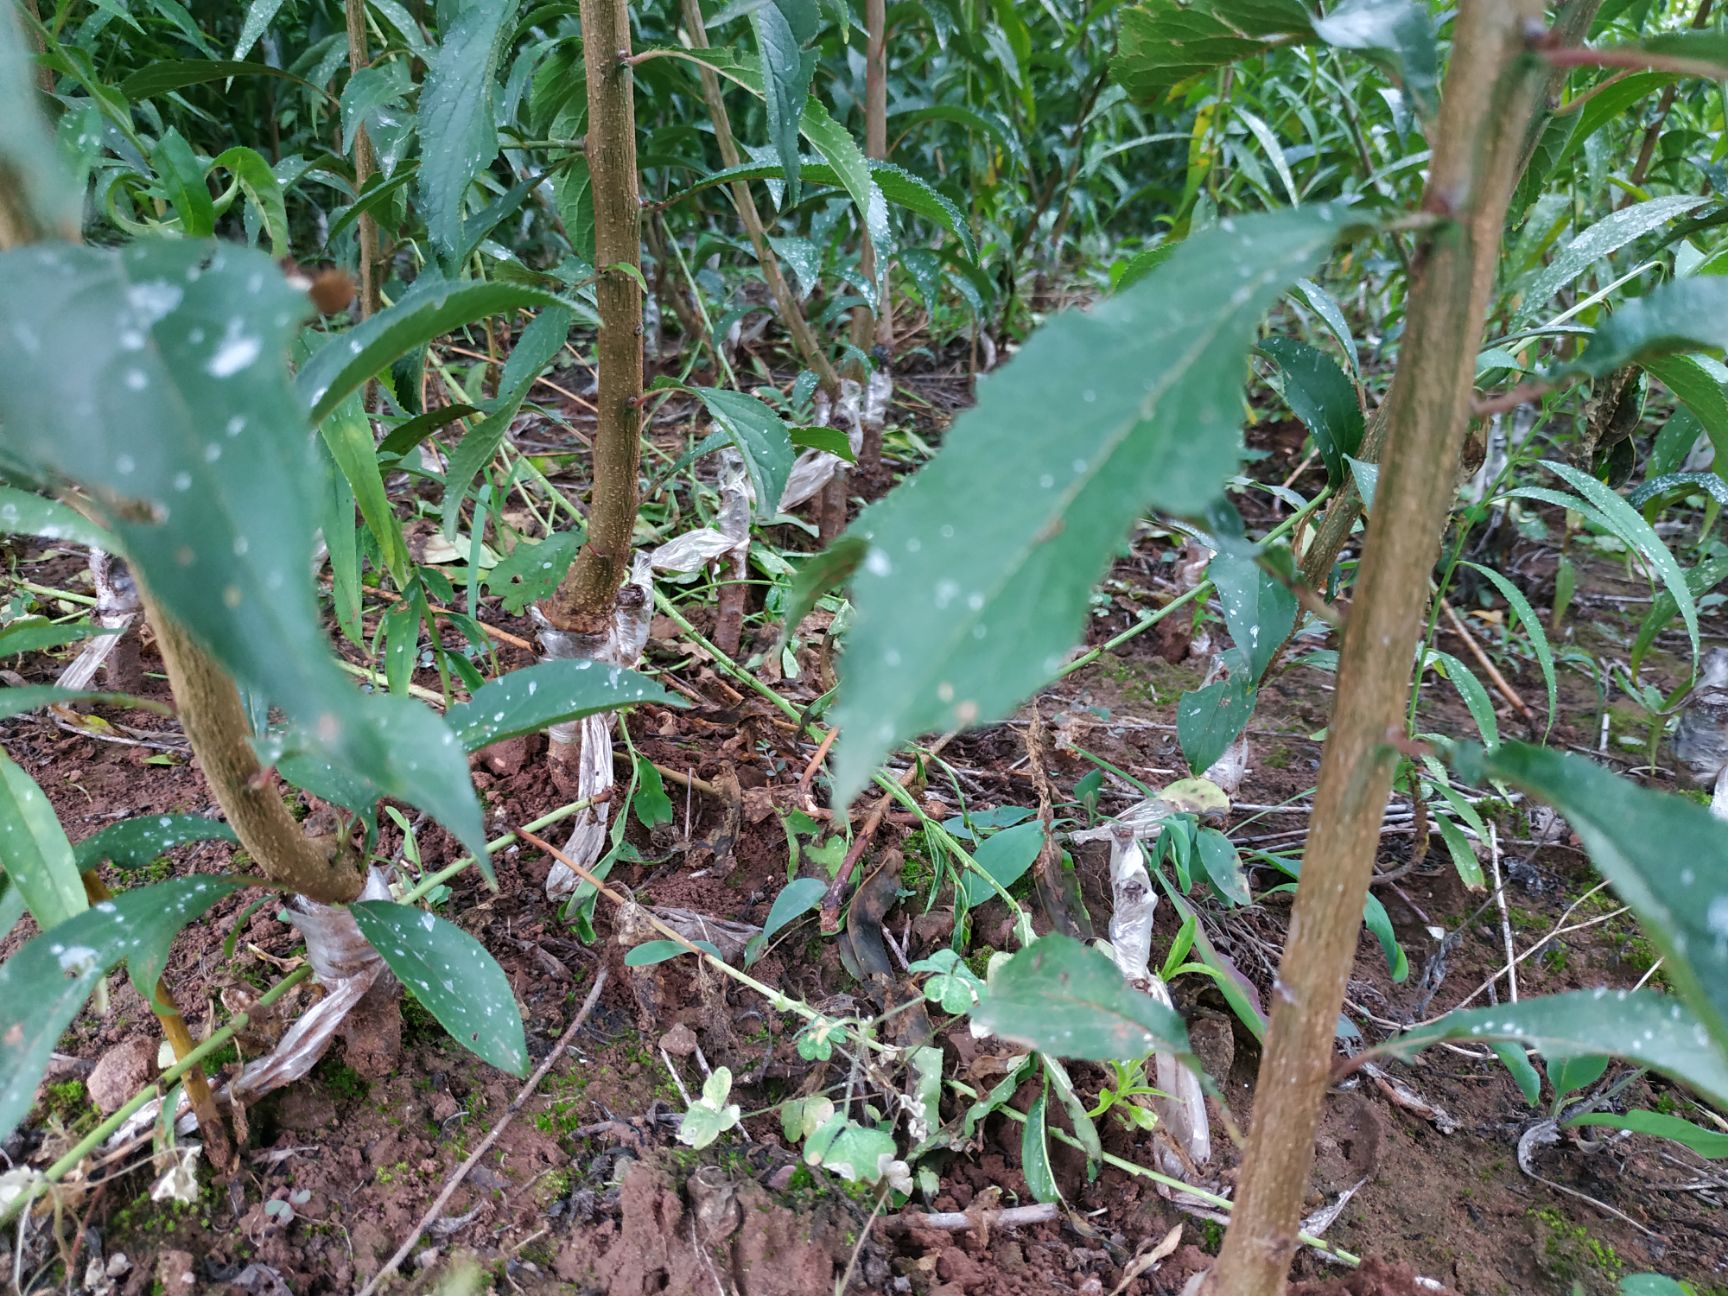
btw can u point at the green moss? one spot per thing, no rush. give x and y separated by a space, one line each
70 1104
344 1082
1571 1254
1278 758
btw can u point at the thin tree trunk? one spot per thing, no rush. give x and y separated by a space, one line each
1492 86
364 165
585 600
1333 533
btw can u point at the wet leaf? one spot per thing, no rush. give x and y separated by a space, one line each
1320 394
760 437
47 980
458 129
452 975
1208 720
536 697
956 624
1259 611
1067 999
1602 239
1707 1143
796 899
1005 856
133 843
34 851
1035 1150
1680 315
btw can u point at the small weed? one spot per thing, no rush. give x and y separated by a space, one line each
1571 1254
344 1082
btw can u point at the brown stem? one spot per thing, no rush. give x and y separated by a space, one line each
1334 530
872 328
585 600
365 164
791 314
1491 89
216 726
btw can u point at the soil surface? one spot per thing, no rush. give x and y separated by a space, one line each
587 1188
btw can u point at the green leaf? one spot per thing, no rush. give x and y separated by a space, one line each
1513 1057
1379 923
1602 239
1398 33
348 434
1570 1074
258 182
1533 627
47 980
1163 43
648 953
531 699
1258 610
1664 855
1476 699
1701 392
711 1115
1624 521
452 975
538 347
530 571
1463 854
1223 866
819 574
1640 1026
181 176
37 175
1325 305
1320 394
1067 999
798 898
831 440
22 513
159 78
431 308
1208 720
650 802
1681 315
33 634
155 376
1706 50
963 611
786 81
1035 1150
458 131
259 15
857 1153
1005 856
1703 578
37 857
22 698
1652 1285
1710 1144
760 437
133 843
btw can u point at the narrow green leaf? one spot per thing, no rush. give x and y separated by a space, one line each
760 437
1259 611
1639 1026
458 130
1703 578
1222 866
786 82
1475 697
1379 923
961 615
1035 1150
1066 999
1319 394
452 975
1665 856
1602 239
348 434
831 440
1532 626
650 802
648 953
22 513
36 854
47 980
798 898
1710 1144
23 698
1332 315
531 699
33 634
160 78
1700 390
1623 519
1513 1057
1652 1285
1398 33
429 309
133 843
259 15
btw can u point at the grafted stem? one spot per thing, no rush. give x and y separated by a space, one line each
1492 87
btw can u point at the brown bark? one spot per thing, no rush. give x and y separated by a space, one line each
1333 533
585 600
216 725
874 328
1492 87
